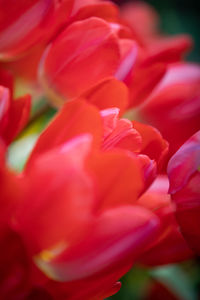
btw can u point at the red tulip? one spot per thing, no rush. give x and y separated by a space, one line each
79 117
156 51
84 209
28 23
153 144
174 106
109 93
84 227
64 68
83 221
104 51
91 178
170 247
49 17
184 177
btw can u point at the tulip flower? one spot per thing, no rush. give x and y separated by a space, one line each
157 51
87 170
38 22
28 23
184 178
114 52
23 52
14 113
153 144
104 50
96 227
84 228
174 106
91 42
79 117
170 247
93 198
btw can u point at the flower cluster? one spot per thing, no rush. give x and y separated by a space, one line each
114 177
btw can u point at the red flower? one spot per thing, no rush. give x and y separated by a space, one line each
170 247
184 177
78 216
28 23
174 106
156 50
78 117
102 50
70 71
81 225
29 27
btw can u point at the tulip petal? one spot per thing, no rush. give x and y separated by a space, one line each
170 247
143 81
174 106
184 163
75 118
62 210
169 49
153 143
119 133
73 62
184 177
119 178
118 233
84 9
109 93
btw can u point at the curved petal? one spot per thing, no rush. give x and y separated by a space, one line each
118 176
184 163
184 177
153 143
75 118
81 56
58 200
118 234
170 247
30 23
109 93
119 133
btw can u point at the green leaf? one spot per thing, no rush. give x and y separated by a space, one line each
177 280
